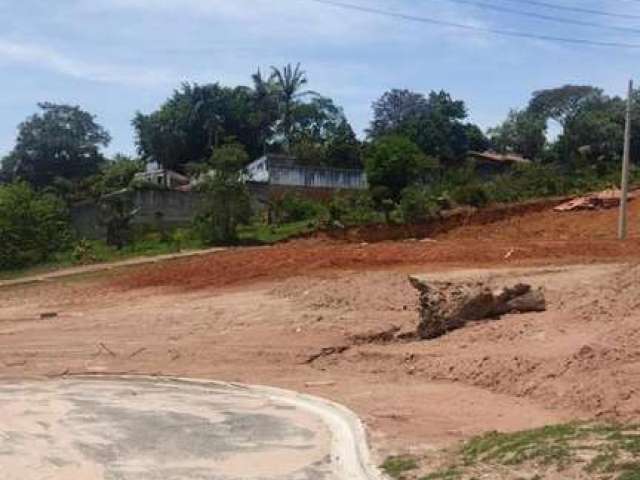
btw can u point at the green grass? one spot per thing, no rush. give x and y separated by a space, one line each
396 467
150 244
97 251
269 234
547 445
448 474
601 451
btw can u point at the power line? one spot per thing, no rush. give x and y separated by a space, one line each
473 28
541 16
565 8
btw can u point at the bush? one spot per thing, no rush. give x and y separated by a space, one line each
32 226
227 201
294 208
417 204
474 194
356 208
395 162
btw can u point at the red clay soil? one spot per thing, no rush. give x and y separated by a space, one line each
542 237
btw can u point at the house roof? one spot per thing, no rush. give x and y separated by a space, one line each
499 158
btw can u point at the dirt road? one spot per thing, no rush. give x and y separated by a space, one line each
328 318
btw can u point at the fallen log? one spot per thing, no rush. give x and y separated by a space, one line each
447 305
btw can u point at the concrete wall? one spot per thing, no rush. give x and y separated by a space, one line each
177 208
318 177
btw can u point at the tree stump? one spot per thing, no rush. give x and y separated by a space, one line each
447 306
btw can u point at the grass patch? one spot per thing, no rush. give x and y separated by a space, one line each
547 446
396 467
448 474
269 234
90 252
585 450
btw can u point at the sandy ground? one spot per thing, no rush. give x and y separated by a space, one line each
335 320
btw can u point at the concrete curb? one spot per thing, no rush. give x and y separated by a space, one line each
349 446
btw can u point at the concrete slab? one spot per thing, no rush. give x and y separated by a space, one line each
121 429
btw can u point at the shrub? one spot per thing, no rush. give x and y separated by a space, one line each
395 162
294 208
32 226
473 194
417 204
227 202
355 208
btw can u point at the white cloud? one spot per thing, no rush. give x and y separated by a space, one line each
50 59
306 22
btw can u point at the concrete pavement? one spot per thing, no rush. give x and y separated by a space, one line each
166 429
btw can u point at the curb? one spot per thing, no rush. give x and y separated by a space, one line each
350 452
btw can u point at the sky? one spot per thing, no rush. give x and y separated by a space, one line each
117 57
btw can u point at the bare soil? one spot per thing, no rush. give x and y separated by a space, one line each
335 319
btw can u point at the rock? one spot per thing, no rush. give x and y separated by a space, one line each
447 306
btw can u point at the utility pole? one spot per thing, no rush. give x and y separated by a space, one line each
624 190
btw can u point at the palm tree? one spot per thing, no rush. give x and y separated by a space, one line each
266 106
289 83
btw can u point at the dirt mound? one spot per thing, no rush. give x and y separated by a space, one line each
571 357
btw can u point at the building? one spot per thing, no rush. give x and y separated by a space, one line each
492 163
284 171
163 177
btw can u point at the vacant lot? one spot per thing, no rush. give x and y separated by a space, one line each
335 319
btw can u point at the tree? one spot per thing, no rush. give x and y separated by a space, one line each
289 82
394 162
344 150
7 168
116 214
197 119
521 133
265 107
227 202
321 135
561 104
434 123
61 141
394 109
116 174
33 226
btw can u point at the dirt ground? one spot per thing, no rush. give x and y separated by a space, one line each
335 320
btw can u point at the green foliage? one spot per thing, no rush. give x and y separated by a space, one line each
289 82
522 133
448 474
117 174
62 141
547 445
417 204
396 467
227 203
395 162
196 120
321 135
259 233
116 214
353 208
561 104
32 226
472 194
433 123
294 208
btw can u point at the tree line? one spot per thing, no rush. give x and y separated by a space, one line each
414 152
